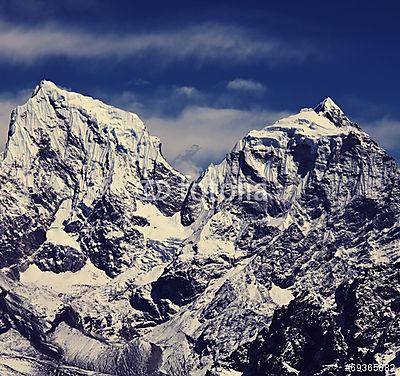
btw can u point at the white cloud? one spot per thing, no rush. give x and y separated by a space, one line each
385 131
139 82
246 85
205 42
213 130
9 101
186 162
189 91
204 125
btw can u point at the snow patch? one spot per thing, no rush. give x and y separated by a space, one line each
290 368
20 365
280 296
56 233
378 257
229 372
307 122
161 227
66 282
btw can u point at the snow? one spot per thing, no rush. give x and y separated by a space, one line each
171 335
146 278
161 227
282 222
66 282
306 126
78 346
112 145
280 296
212 180
43 302
112 165
105 114
229 372
216 237
378 256
386 358
56 233
215 246
306 122
24 366
290 369
329 104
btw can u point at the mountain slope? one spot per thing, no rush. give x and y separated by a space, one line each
281 260
81 165
295 216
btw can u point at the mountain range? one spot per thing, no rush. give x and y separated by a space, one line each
281 260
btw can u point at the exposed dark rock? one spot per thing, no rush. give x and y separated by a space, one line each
59 258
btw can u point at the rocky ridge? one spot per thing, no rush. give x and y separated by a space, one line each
281 260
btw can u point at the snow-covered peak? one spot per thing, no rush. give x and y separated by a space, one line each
58 117
286 147
45 85
327 105
78 140
329 109
326 119
103 113
307 123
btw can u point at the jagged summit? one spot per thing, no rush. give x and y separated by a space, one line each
76 152
103 113
334 113
282 259
45 84
326 119
327 105
62 117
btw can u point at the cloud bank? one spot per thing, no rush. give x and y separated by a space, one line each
199 136
387 132
201 43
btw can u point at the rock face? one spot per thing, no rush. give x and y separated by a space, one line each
283 259
78 168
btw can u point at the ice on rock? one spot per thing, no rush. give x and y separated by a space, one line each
271 263
280 296
327 105
161 227
107 145
56 233
68 282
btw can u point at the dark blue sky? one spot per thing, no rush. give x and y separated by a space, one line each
245 62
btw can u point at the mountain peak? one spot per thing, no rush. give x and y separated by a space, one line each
326 119
300 220
56 98
329 109
47 83
327 105
77 139
44 84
